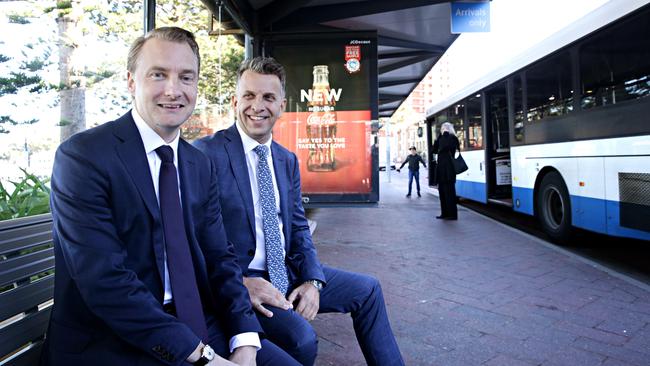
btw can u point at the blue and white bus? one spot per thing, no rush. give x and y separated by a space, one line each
563 133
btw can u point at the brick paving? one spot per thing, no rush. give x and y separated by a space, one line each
474 292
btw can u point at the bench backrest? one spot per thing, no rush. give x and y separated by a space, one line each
26 288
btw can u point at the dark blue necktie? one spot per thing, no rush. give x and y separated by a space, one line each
274 255
179 260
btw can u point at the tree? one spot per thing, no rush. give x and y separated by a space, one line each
81 23
22 74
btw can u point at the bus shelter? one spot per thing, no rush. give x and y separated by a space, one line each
349 64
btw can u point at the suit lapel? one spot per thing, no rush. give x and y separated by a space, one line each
133 156
239 168
131 153
281 177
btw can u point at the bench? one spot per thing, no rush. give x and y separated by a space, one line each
26 288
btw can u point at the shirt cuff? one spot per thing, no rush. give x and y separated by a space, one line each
245 339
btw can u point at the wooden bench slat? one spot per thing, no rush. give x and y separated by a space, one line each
25 221
30 357
15 269
23 239
17 334
26 297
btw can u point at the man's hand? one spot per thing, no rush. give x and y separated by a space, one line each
308 300
244 356
261 292
220 361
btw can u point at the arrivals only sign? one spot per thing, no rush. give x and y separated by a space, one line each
470 17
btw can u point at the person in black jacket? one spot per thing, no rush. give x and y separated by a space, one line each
414 161
445 147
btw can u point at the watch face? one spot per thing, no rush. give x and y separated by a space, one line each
208 353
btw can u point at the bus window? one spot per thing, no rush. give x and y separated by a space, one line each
474 122
519 109
456 117
497 117
614 66
549 88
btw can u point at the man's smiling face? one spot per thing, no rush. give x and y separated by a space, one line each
164 85
259 102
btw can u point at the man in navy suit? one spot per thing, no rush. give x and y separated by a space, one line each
259 101
113 300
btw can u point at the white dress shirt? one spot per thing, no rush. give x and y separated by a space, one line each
152 141
252 159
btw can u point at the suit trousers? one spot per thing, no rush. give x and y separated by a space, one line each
447 194
345 292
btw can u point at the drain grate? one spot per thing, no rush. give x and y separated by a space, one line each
634 195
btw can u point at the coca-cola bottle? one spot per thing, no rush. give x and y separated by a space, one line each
321 123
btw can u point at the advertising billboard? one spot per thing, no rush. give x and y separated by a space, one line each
331 105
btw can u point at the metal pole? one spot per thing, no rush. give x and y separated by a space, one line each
248 46
149 15
388 139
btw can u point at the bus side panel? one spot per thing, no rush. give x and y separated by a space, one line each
523 180
471 183
628 180
523 200
614 225
588 206
471 190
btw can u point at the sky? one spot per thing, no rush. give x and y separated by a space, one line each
515 26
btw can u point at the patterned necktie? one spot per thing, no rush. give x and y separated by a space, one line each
179 260
274 255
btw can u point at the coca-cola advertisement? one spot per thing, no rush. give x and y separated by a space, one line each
331 103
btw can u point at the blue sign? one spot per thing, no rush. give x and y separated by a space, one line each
470 17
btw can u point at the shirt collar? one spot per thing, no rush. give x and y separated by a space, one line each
150 138
249 143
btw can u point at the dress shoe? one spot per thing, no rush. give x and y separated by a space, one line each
419 195
440 217
408 195
450 218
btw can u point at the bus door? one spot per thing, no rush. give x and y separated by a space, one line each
497 147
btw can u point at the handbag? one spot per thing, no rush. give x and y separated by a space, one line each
433 173
459 163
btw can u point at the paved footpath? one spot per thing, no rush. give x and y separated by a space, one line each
474 292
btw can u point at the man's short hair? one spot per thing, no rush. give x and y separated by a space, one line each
265 66
171 34
412 148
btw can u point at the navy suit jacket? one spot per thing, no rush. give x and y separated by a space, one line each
226 151
108 242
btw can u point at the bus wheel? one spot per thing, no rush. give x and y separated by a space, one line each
554 208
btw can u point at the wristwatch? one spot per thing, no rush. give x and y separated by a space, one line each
316 283
207 355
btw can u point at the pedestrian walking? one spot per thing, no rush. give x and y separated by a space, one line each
414 160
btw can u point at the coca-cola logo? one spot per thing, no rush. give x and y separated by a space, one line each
321 118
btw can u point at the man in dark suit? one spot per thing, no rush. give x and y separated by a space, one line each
265 219
125 233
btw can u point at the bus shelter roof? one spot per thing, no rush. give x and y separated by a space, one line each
412 34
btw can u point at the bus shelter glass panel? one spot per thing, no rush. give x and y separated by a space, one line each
549 88
474 122
615 66
220 58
